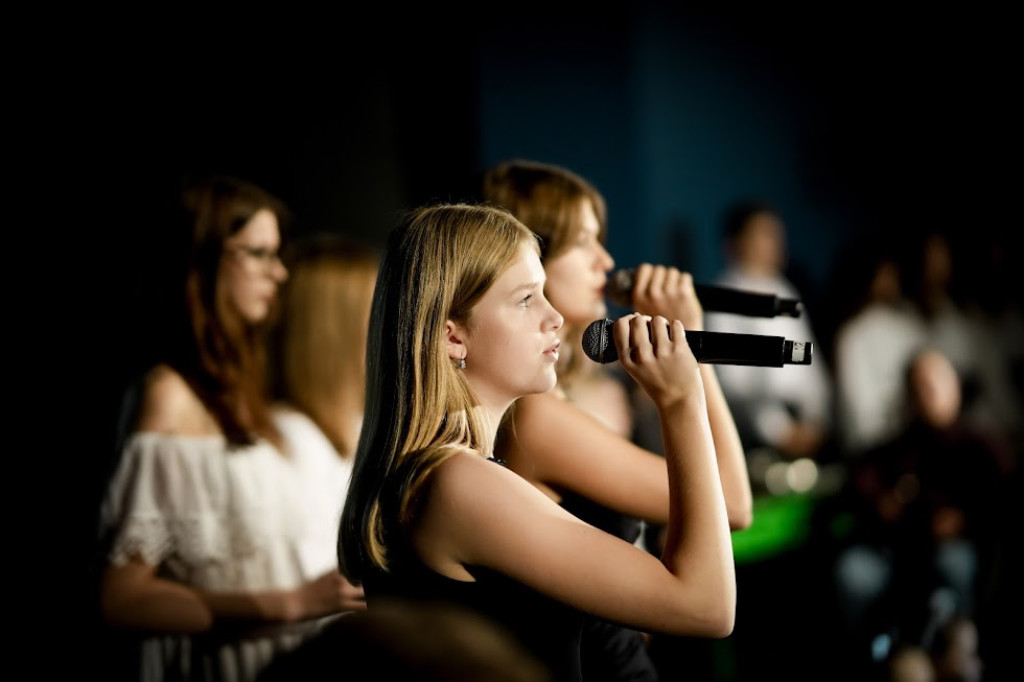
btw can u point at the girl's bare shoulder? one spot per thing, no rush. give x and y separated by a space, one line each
170 406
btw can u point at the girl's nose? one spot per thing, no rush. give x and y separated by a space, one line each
605 258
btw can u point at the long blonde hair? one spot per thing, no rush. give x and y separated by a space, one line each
320 335
439 262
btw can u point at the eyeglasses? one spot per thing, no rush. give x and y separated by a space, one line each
267 258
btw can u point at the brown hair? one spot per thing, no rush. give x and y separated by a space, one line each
546 198
222 359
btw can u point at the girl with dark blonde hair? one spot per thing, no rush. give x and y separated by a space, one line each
461 328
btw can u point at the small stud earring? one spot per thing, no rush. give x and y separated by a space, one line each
462 362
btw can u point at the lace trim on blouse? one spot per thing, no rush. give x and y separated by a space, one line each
193 506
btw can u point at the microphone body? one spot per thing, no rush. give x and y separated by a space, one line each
619 290
720 348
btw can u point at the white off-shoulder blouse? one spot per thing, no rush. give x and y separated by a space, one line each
220 519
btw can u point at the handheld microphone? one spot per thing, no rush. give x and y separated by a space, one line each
619 291
722 348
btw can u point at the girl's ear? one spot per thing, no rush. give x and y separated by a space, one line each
454 334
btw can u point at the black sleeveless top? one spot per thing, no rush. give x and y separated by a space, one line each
547 628
610 652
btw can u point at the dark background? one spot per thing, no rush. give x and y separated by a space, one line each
851 119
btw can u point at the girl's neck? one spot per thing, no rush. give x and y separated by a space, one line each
489 417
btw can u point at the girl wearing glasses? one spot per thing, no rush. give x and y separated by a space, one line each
208 523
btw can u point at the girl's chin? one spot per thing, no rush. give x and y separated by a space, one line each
256 314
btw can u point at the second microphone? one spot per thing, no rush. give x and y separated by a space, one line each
619 291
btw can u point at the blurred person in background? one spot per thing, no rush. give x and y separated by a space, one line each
318 371
787 411
922 512
575 442
207 524
874 331
956 323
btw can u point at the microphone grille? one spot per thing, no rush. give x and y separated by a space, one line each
619 289
597 342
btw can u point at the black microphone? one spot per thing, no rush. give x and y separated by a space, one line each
619 291
721 348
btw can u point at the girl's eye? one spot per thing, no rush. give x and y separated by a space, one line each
526 301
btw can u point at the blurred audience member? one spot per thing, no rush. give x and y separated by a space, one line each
956 324
922 511
319 339
787 410
318 345
875 330
207 523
